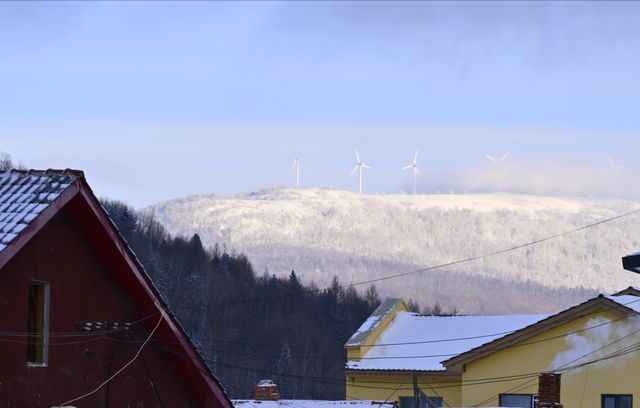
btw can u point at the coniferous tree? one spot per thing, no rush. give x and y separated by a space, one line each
249 327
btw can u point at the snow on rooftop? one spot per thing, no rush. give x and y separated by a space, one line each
630 301
426 332
311 404
372 322
24 195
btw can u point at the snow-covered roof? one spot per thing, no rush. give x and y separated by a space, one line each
311 404
372 322
24 195
417 342
630 301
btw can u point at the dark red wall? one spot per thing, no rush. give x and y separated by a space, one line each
82 288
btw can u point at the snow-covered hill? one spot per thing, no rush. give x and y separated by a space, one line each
320 233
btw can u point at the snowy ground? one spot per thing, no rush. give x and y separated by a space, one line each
309 404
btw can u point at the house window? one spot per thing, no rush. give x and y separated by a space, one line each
38 323
428 402
617 401
519 400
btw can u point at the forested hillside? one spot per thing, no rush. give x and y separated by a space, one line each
321 233
250 327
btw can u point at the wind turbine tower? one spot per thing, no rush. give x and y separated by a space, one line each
358 168
414 170
497 162
296 165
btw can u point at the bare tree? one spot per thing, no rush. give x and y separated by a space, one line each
6 163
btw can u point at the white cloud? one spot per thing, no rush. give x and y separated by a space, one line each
546 178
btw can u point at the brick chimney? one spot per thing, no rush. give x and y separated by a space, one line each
549 390
266 390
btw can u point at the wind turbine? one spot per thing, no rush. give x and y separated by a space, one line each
358 168
296 165
414 170
493 159
497 162
614 165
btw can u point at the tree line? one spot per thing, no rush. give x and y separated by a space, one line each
248 326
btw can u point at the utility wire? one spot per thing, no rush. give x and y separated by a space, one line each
444 340
430 268
75 334
564 367
618 353
122 368
342 381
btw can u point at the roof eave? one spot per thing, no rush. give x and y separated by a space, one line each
38 223
400 372
143 278
592 305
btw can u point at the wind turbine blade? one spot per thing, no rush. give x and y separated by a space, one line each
504 157
355 169
365 166
417 171
611 161
620 166
407 167
490 158
357 156
415 158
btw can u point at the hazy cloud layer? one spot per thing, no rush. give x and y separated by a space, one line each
543 178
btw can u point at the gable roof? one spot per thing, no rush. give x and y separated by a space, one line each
444 344
619 305
419 342
29 199
628 291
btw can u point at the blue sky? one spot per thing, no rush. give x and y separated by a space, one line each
160 100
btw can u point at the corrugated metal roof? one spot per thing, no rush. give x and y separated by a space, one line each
25 194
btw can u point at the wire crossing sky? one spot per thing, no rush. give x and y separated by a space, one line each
156 100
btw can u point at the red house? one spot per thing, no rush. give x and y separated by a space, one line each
81 323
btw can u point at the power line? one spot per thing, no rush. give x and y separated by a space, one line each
342 380
122 368
430 268
564 367
397 357
77 334
543 325
532 376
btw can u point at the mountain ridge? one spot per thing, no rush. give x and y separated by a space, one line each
321 232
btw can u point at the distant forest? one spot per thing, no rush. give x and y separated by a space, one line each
250 327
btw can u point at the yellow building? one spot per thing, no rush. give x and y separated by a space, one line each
490 361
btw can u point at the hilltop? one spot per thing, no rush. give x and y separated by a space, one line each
320 233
